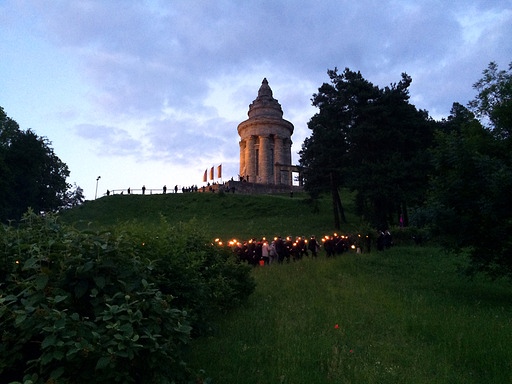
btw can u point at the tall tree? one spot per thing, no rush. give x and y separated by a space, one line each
470 197
388 158
494 100
324 153
33 175
373 141
74 197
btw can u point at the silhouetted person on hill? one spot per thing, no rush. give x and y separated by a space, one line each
313 246
143 189
388 240
280 251
380 241
329 246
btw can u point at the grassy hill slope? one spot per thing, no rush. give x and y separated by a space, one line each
405 315
220 215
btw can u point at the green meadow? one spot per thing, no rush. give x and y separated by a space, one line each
219 215
404 315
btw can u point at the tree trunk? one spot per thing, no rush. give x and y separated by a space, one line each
340 206
335 206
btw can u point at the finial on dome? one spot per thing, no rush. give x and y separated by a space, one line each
265 89
265 104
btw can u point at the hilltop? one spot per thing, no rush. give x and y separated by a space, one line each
219 215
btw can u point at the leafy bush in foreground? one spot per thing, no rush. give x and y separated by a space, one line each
82 307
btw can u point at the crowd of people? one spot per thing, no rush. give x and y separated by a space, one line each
280 250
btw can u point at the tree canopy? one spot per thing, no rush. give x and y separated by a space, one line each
371 140
32 174
470 200
494 100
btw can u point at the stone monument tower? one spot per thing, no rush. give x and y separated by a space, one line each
265 142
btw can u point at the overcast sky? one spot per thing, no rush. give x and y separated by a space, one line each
151 92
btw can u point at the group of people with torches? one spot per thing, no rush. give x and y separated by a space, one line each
280 250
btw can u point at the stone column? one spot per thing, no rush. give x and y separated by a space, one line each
279 159
242 157
288 151
264 163
250 168
288 159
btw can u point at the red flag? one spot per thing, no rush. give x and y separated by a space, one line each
219 172
211 173
205 175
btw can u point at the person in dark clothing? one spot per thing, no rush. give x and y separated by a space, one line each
280 249
329 246
313 246
340 244
301 244
388 240
251 252
380 241
288 248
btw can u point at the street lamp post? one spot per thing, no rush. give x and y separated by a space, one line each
96 194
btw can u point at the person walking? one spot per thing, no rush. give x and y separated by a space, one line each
313 246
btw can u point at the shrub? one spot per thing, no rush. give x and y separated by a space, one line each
409 235
81 307
203 278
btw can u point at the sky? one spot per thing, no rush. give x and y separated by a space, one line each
150 92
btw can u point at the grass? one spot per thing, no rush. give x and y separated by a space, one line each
405 315
402 316
220 215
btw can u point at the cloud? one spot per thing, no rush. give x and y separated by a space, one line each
169 81
142 56
110 141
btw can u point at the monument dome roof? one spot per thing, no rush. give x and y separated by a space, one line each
265 104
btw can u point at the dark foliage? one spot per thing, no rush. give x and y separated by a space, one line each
470 204
371 140
32 174
113 306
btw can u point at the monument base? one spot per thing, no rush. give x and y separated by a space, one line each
246 188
